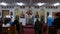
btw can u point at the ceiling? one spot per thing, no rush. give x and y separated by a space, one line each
28 1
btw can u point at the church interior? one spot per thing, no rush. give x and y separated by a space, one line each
27 12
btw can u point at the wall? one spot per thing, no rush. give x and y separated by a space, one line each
18 10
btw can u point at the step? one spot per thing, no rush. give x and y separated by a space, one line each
29 26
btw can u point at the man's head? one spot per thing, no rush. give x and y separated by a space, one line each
37 20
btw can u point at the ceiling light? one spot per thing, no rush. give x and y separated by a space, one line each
56 4
20 4
40 4
3 3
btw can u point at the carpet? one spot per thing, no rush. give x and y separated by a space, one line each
28 29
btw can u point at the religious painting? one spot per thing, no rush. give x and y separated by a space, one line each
29 12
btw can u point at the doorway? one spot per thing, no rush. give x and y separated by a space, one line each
4 13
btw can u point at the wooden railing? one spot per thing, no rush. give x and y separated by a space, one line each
11 30
46 32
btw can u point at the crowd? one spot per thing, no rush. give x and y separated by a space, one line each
53 24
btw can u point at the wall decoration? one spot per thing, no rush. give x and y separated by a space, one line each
29 12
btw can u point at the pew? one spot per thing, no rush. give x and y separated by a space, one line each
13 30
58 31
6 30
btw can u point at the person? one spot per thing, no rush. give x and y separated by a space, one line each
0 25
22 15
26 16
36 16
33 20
16 22
38 27
50 20
56 23
12 18
7 19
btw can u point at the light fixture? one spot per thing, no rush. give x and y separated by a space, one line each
56 4
20 4
40 4
3 3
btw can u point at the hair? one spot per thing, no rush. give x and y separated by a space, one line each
37 20
57 14
17 17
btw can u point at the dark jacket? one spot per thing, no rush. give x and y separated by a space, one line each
0 26
36 16
38 25
16 22
56 23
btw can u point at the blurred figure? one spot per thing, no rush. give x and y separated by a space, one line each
36 16
16 22
50 20
12 17
22 15
56 23
0 25
7 19
33 20
26 16
22 19
38 27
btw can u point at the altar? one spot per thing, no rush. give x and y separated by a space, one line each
23 21
29 17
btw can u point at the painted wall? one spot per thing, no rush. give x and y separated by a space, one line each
17 10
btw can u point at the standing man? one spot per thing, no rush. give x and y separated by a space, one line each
50 20
38 27
0 25
56 23
16 22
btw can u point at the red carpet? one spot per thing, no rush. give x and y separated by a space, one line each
28 29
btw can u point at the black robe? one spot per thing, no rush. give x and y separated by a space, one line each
56 23
38 26
16 22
